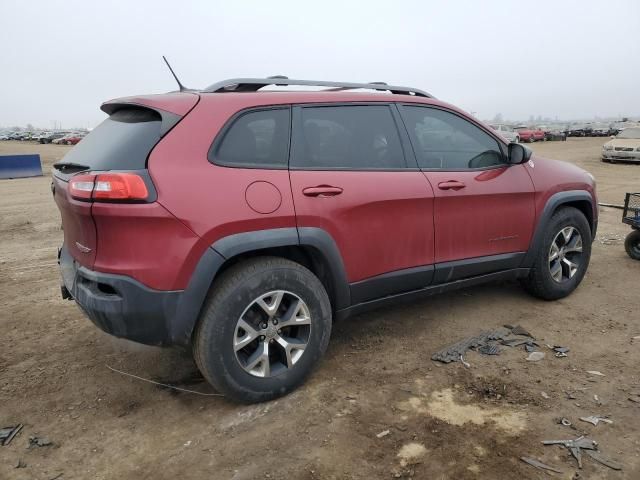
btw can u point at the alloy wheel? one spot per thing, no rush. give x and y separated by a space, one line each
272 333
565 254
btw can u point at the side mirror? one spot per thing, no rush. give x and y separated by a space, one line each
518 154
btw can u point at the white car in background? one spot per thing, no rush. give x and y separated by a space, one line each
624 146
506 132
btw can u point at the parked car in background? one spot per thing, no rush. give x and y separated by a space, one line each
530 135
51 136
625 146
506 132
248 248
69 139
555 134
73 138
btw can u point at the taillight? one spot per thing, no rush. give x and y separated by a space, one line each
108 186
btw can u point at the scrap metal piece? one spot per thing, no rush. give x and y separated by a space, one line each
580 442
558 349
565 421
597 456
514 342
518 330
538 464
7 434
596 372
489 349
454 352
595 419
39 442
577 454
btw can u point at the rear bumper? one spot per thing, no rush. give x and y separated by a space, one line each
120 305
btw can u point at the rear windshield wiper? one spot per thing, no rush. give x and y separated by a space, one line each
70 167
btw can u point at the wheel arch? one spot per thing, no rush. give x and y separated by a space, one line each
313 248
579 199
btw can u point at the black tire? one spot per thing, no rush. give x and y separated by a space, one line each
231 294
632 244
539 282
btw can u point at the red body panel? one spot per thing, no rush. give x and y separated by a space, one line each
146 242
78 225
493 213
553 176
381 222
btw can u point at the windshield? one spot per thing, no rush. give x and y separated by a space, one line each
629 133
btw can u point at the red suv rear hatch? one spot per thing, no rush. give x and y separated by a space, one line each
122 143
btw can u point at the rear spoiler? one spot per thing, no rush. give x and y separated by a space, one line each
170 106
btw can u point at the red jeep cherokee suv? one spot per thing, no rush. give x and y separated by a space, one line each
242 222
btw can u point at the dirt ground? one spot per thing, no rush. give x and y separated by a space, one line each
443 421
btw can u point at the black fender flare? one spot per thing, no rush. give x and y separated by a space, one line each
193 297
556 200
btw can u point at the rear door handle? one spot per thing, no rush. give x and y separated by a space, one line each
451 185
322 191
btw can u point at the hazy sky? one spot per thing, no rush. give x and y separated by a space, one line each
61 59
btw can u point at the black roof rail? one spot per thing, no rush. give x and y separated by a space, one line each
255 84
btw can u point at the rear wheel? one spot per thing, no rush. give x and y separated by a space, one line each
563 257
632 244
265 326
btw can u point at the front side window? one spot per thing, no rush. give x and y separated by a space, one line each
445 141
256 139
355 137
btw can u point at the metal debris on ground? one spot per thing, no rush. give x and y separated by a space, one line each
489 349
455 352
545 395
518 330
564 421
538 464
39 442
530 348
590 447
535 356
595 419
603 460
8 433
560 352
383 434
596 372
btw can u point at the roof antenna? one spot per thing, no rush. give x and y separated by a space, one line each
182 87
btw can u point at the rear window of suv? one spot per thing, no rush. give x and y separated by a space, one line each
122 142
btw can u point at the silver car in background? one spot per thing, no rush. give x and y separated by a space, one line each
506 132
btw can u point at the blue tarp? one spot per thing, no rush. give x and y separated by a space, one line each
18 166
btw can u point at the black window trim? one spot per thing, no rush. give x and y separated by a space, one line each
501 143
211 154
411 164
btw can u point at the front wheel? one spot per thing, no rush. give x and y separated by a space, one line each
264 327
632 244
563 256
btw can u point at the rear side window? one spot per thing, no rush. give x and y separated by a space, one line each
355 137
256 139
122 142
445 141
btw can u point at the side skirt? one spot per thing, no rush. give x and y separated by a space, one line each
417 295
